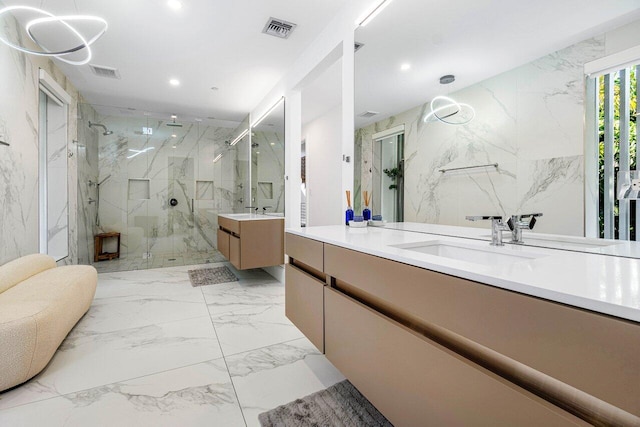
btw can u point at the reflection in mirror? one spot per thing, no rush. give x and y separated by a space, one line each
267 161
235 169
529 93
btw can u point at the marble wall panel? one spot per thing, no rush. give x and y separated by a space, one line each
269 168
19 162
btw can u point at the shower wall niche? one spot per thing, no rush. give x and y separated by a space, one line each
161 189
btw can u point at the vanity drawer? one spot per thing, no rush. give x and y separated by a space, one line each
304 304
306 251
223 243
414 381
234 251
229 224
594 353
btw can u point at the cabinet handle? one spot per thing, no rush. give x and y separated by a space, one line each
191 205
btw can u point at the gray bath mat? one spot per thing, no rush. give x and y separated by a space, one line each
339 405
211 276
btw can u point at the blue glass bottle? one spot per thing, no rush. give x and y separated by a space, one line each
348 215
366 213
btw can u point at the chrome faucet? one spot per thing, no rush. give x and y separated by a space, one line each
497 227
517 223
264 209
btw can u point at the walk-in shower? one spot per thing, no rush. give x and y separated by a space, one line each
106 132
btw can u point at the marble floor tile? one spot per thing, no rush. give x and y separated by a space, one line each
249 329
149 352
275 375
197 395
246 293
90 359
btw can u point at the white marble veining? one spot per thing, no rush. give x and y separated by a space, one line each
257 376
19 162
604 284
152 350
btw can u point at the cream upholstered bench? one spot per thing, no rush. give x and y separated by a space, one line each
39 304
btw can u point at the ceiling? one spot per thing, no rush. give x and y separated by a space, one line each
473 39
205 44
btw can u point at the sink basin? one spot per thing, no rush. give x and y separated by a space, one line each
468 253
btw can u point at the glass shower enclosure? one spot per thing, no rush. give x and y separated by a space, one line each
160 182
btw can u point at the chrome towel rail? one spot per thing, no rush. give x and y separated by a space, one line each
495 165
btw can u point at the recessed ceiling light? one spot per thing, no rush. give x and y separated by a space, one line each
174 82
273 143
174 4
405 67
175 146
174 136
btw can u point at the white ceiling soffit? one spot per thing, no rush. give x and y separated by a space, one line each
205 44
473 39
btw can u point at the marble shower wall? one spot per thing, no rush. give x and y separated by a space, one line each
268 169
528 120
19 162
87 182
137 189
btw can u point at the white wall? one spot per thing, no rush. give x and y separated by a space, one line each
323 146
339 33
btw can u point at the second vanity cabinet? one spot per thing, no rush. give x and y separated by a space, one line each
422 345
251 243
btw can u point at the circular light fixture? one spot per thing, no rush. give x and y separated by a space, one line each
175 146
174 4
405 67
444 108
174 82
174 136
48 17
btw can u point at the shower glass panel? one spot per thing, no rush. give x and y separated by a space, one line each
388 182
267 162
162 183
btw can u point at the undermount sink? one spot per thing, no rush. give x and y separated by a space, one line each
468 253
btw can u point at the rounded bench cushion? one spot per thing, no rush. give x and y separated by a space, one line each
22 268
37 314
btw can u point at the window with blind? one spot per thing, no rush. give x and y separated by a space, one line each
617 114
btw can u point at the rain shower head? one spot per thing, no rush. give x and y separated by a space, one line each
106 132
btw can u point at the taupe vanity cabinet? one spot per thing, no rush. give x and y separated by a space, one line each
431 349
251 243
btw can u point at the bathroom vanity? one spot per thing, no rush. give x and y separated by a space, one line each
452 331
251 240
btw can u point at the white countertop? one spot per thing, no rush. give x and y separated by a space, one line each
251 217
604 284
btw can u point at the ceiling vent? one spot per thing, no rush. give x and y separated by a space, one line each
279 28
108 72
368 114
357 46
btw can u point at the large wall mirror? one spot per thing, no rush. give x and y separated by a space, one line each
267 161
516 99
